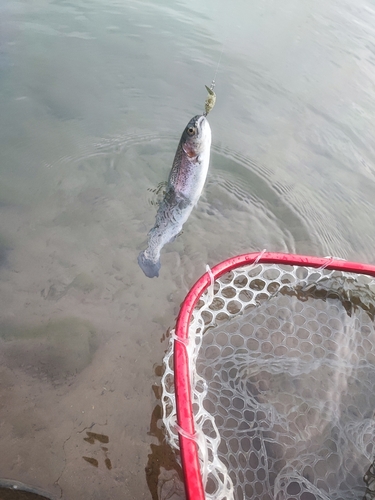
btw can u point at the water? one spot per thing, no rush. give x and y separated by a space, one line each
94 96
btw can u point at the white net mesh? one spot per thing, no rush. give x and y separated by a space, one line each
282 364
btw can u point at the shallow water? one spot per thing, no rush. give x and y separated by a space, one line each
94 96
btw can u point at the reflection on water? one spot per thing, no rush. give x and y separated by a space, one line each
163 470
93 99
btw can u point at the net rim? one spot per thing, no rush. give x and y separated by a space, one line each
188 447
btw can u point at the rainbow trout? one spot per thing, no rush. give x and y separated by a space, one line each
185 184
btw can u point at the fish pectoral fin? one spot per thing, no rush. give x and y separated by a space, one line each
158 193
199 159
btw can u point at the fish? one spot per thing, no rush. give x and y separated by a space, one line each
184 187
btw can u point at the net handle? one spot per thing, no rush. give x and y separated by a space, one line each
188 447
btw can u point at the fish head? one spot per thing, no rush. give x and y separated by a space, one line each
196 137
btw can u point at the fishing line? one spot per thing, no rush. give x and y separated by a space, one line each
211 98
213 83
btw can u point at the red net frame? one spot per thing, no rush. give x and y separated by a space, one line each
189 450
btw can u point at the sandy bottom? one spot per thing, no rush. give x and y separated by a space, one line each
83 331
82 337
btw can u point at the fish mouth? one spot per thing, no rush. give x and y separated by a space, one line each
203 127
201 124
201 119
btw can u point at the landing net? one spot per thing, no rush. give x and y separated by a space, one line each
269 382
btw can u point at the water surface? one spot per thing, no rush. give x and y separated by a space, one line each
94 96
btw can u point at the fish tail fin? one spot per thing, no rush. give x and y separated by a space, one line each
149 266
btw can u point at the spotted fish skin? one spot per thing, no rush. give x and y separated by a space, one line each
185 184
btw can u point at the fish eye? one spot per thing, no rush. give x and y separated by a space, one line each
190 130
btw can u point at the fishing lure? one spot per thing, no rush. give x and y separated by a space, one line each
211 98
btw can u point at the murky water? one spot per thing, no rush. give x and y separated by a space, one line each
93 98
